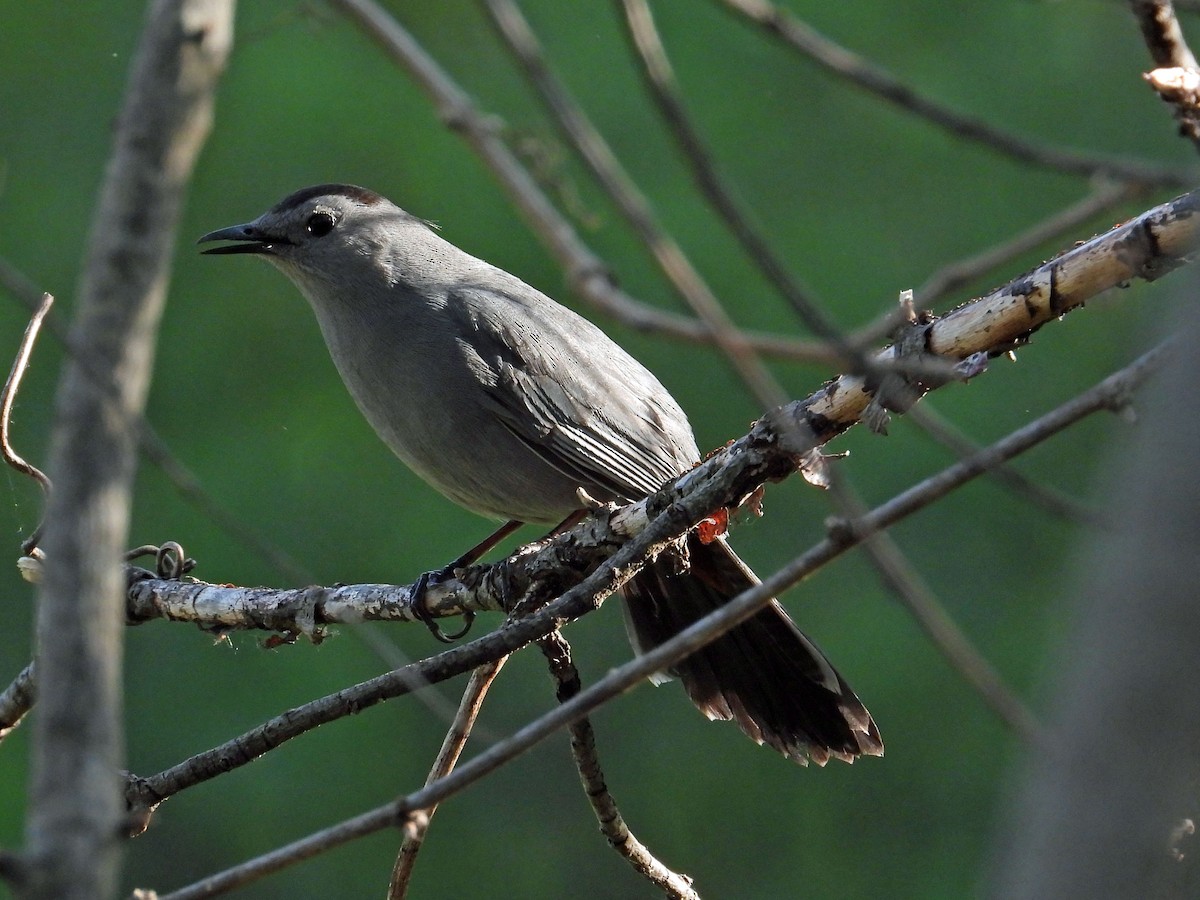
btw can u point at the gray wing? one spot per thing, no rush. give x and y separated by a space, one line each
571 394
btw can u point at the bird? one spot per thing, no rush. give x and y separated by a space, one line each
510 404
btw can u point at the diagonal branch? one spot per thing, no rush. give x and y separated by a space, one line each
583 748
858 71
1176 77
656 68
16 700
902 579
452 747
1164 38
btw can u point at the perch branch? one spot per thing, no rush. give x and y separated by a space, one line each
1112 393
1147 246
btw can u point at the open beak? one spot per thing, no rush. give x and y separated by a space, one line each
249 239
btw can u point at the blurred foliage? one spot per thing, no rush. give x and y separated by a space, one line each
861 199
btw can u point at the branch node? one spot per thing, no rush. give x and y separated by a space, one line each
841 531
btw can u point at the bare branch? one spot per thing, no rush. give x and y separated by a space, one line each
951 277
1164 38
75 808
1176 77
903 580
452 747
8 396
661 81
583 748
857 71
1046 498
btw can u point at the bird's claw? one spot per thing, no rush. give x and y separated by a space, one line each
422 613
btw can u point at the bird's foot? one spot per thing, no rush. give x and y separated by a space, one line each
422 612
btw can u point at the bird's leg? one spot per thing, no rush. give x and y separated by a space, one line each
417 600
569 522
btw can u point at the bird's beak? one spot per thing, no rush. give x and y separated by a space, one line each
250 239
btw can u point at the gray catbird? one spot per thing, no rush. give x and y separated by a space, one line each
507 403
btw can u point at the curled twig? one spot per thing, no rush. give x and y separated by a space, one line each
11 386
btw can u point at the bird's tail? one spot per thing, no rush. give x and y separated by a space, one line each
765 675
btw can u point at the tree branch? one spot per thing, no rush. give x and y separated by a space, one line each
1177 77
673 884
666 251
856 70
452 747
75 809
16 700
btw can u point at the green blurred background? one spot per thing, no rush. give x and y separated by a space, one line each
861 200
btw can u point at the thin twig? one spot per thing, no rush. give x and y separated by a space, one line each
596 152
1176 77
188 486
9 396
155 448
858 71
1164 38
656 68
17 700
585 272
1111 393
452 747
583 748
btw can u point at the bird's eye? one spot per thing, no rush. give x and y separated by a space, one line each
320 224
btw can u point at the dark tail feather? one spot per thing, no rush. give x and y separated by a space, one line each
765 674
